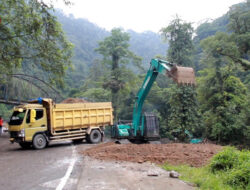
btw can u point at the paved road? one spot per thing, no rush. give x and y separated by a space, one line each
61 166
39 169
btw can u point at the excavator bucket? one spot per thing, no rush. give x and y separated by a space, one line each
182 75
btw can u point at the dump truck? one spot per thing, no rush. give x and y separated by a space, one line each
42 121
144 127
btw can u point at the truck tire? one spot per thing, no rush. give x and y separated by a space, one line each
95 136
25 145
39 141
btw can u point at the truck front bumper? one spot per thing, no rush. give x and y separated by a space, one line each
17 136
18 139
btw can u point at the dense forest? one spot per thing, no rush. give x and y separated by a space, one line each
75 58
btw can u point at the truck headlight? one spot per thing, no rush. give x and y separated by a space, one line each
21 133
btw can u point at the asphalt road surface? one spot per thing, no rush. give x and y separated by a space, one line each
55 167
61 166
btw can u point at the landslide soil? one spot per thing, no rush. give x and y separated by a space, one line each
73 100
195 155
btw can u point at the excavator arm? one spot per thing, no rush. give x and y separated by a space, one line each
156 66
181 75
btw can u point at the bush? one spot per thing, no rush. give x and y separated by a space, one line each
224 160
239 177
235 163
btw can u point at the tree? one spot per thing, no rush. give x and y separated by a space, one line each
223 96
184 113
239 16
30 34
179 36
5 111
234 46
116 54
224 105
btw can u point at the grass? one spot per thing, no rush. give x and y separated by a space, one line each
201 177
206 178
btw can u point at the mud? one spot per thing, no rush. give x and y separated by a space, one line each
196 155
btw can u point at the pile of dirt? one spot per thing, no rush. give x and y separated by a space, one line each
73 100
195 155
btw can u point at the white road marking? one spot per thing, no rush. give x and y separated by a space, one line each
65 178
53 184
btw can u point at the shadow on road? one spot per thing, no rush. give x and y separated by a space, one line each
49 147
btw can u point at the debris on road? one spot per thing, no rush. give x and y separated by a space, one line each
126 175
152 173
174 174
195 155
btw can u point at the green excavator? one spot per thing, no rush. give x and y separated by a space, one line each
145 127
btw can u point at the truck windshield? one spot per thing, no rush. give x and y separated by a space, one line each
17 118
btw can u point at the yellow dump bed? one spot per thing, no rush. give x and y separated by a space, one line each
81 115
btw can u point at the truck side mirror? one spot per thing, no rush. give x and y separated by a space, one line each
32 116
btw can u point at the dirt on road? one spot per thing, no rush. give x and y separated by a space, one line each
195 155
116 175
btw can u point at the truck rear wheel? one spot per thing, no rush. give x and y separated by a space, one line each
95 136
25 145
39 141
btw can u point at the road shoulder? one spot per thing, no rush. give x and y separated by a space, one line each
113 175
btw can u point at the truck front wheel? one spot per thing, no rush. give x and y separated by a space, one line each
39 141
95 136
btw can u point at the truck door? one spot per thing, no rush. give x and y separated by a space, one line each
38 125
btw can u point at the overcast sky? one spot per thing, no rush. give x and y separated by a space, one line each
144 15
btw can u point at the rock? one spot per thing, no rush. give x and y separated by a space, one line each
152 173
140 161
174 174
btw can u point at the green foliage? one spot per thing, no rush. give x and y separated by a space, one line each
207 28
201 177
236 164
30 33
115 50
225 160
179 36
116 55
229 170
95 95
236 24
146 45
234 46
183 113
224 100
5 111
223 96
223 46
240 24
